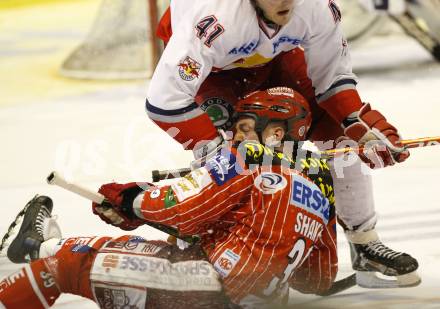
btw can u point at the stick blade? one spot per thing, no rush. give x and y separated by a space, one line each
340 285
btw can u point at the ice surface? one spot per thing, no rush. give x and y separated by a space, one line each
97 137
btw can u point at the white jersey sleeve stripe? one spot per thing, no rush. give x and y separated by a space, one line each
337 87
35 287
175 118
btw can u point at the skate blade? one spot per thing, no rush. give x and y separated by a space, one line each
12 231
371 280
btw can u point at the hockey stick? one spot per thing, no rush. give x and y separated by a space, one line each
55 179
409 143
340 285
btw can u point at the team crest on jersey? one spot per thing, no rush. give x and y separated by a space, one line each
219 111
189 69
226 262
270 183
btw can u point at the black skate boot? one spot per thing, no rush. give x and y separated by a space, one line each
25 245
369 255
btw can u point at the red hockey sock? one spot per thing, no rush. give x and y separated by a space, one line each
30 287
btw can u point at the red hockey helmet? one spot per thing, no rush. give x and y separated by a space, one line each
277 104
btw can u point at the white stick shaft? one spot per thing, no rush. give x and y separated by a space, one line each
55 179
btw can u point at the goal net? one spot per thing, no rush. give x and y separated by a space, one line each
357 23
120 44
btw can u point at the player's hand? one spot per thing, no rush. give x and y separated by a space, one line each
203 151
379 139
117 209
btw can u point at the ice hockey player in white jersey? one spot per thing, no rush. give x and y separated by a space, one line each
220 50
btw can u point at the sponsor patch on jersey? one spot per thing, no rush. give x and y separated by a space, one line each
155 193
138 247
170 199
131 245
223 167
226 262
191 184
109 296
80 248
219 111
285 39
307 195
270 183
245 49
153 272
189 69
137 239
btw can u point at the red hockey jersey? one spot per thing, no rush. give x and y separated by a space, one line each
263 224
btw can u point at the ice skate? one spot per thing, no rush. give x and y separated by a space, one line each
370 256
33 225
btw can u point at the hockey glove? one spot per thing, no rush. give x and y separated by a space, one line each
204 151
117 209
379 139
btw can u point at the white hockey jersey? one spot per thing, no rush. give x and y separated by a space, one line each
210 35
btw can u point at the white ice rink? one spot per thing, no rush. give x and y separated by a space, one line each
98 136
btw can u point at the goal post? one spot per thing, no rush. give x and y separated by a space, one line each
121 43
357 23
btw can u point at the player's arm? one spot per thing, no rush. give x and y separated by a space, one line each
330 69
202 196
329 63
197 42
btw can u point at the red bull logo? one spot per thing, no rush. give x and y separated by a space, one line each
189 69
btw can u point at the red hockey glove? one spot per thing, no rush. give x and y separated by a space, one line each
379 138
117 209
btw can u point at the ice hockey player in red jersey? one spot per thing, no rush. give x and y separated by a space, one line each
266 222
219 51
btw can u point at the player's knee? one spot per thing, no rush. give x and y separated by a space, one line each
35 285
